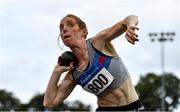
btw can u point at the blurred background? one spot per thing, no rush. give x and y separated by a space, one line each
29 51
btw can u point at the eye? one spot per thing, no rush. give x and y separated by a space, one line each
70 25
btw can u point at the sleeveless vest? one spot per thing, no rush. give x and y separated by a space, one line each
103 75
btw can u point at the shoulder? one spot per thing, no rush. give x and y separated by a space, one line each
104 47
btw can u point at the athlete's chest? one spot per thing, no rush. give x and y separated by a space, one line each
97 77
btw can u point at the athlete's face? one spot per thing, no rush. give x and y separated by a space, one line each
70 31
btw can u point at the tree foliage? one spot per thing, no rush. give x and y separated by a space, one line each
8 101
149 89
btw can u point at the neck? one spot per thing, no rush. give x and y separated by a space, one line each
81 52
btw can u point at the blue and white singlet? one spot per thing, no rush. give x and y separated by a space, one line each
104 73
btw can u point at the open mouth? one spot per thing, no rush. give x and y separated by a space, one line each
67 36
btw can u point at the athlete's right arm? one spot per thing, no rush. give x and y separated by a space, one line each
56 93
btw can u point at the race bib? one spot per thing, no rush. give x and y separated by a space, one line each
99 82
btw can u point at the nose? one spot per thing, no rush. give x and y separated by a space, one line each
64 30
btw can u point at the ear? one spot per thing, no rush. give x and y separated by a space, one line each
84 32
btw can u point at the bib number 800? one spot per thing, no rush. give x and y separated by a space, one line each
98 83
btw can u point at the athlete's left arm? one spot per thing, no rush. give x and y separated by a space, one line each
127 25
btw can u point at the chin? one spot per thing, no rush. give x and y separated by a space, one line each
68 44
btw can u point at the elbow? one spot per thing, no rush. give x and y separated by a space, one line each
48 104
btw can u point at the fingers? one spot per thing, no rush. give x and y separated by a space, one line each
132 29
71 66
59 68
131 35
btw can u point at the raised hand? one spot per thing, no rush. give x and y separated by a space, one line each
131 35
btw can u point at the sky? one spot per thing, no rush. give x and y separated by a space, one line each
29 30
